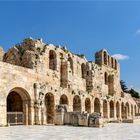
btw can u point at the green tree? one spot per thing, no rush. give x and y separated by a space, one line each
123 86
134 93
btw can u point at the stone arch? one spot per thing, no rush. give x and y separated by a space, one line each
111 85
97 105
106 78
127 110
77 104
64 99
108 60
105 109
88 105
135 110
18 106
83 70
49 102
105 58
131 110
117 110
52 60
112 62
111 104
71 64
123 110
115 64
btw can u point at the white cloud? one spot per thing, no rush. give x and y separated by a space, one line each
138 31
120 56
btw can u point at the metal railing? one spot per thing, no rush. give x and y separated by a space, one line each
15 118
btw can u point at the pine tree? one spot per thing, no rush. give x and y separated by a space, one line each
123 86
134 93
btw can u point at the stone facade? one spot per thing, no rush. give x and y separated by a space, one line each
36 77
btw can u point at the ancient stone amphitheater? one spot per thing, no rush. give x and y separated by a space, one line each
46 84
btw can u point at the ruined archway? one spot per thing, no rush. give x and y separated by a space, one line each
117 110
97 105
88 105
49 102
135 110
77 104
127 110
111 85
64 100
105 109
106 78
123 110
105 58
132 110
71 64
18 107
83 70
111 104
52 60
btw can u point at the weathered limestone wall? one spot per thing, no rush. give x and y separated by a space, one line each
41 73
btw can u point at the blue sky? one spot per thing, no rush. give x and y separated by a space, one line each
83 27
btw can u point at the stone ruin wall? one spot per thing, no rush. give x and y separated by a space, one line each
27 64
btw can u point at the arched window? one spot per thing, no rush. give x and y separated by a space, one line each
88 105
106 78
83 70
111 85
111 109
71 64
105 58
52 60
77 104
108 60
112 63
97 105
115 64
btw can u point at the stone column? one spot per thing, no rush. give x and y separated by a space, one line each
115 115
108 110
120 112
101 108
82 104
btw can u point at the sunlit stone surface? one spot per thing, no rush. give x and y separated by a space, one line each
111 132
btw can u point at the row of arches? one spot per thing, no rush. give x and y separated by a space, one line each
110 61
18 101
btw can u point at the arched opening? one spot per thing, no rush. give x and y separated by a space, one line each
115 64
135 110
127 110
83 70
111 109
123 110
105 58
105 110
76 104
52 60
97 105
106 78
117 110
132 110
88 105
18 107
111 85
108 60
112 62
64 100
71 64
49 102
